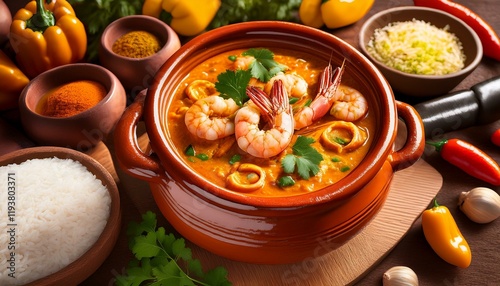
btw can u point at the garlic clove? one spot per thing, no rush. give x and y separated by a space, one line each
481 205
400 276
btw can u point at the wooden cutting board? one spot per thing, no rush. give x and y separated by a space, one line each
411 192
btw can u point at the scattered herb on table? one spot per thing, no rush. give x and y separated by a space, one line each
163 259
305 159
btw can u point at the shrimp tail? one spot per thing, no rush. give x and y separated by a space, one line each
270 107
330 80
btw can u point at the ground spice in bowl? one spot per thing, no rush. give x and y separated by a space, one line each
71 98
136 44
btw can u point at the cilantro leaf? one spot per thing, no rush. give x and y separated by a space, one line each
305 159
264 67
162 259
233 84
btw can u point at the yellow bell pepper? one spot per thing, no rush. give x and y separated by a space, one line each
185 17
442 234
333 13
47 35
310 13
12 80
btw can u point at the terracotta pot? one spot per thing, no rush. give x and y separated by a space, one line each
259 229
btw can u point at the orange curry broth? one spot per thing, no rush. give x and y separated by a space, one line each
216 169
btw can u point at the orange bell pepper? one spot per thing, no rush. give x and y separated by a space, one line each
47 35
12 81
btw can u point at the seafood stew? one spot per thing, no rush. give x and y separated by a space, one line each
269 122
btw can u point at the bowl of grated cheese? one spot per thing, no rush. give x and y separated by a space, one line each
421 51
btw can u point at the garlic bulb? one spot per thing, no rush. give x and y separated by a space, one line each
400 276
481 205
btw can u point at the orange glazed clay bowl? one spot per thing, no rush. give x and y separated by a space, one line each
256 229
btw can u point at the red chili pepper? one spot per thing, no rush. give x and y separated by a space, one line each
495 137
470 159
487 35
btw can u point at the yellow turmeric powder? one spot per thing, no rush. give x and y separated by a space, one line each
136 44
71 98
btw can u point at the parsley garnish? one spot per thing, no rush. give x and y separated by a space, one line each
233 84
285 181
160 259
235 158
264 67
305 159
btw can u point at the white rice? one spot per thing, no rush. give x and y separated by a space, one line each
60 211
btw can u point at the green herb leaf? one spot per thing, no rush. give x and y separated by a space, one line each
235 158
189 151
233 84
264 67
286 181
202 156
305 159
163 259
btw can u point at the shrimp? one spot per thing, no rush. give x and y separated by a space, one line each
351 106
210 117
276 111
243 62
326 96
295 85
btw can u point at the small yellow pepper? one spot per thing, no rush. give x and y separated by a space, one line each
47 35
333 13
443 235
12 80
187 18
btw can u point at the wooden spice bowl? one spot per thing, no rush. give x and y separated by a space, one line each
136 74
83 130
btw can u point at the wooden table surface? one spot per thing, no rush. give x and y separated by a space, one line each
413 250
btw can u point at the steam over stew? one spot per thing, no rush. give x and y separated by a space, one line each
269 123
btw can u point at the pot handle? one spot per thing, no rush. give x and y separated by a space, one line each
415 139
129 155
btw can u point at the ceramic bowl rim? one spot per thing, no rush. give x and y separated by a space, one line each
146 19
109 235
362 174
467 69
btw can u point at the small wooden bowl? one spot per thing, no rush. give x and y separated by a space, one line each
83 130
80 269
424 85
137 73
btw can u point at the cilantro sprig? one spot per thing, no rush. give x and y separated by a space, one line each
233 84
305 159
264 67
163 259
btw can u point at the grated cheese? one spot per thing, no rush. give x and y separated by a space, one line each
417 47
